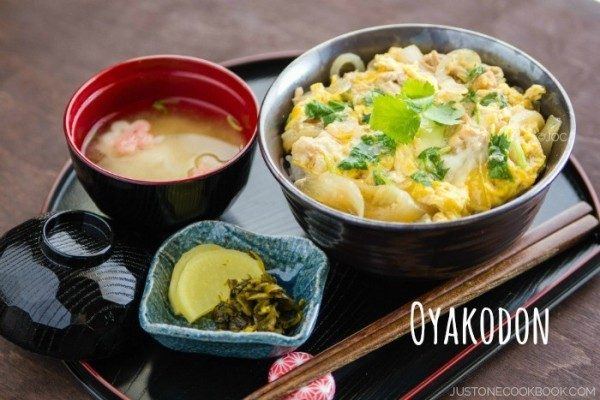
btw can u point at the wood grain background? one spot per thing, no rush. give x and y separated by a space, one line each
48 48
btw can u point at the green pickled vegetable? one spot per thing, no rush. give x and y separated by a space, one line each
258 305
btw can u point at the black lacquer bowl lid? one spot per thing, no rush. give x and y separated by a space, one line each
70 283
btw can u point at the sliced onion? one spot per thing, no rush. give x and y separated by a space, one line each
345 59
339 86
412 53
233 123
548 134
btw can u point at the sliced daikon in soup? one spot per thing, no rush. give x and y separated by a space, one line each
167 140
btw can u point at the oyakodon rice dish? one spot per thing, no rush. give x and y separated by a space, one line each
417 138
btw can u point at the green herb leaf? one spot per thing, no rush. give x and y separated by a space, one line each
329 118
379 178
368 150
494 97
516 153
392 116
366 118
369 97
332 111
475 72
316 109
418 105
416 89
498 157
470 97
431 162
421 177
337 105
431 166
444 114
417 94
159 105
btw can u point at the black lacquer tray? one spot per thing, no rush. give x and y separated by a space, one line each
352 300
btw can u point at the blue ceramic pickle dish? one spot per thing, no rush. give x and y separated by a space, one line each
298 265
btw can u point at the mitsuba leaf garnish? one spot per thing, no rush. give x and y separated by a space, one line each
431 167
416 89
494 97
417 94
367 151
498 157
159 105
379 178
421 177
369 97
337 105
332 111
475 72
395 118
470 96
431 162
445 114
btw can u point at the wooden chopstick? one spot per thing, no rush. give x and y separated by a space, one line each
559 221
456 292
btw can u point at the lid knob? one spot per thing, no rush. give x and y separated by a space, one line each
77 239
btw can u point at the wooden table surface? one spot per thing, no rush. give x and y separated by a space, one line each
47 49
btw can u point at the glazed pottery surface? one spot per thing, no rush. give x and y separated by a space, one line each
297 264
424 251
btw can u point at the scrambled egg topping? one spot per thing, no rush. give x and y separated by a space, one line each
416 138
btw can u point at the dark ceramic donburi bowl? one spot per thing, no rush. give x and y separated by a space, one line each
297 264
161 205
435 250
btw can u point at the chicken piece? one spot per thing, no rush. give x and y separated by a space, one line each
450 90
316 155
298 130
384 62
459 62
431 60
487 80
469 149
466 136
298 94
526 120
497 71
346 130
533 94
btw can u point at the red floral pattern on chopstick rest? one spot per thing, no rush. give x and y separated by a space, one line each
319 389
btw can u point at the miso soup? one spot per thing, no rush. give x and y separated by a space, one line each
166 140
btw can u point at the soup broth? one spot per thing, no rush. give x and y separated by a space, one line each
166 140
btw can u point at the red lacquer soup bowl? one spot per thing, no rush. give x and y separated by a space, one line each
164 205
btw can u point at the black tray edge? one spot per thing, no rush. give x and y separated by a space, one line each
100 389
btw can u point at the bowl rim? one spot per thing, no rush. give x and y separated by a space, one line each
222 336
534 190
168 57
